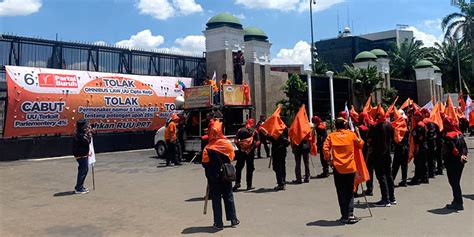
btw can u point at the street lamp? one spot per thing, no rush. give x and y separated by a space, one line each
459 67
313 49
330 74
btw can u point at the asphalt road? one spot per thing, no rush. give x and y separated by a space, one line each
135 198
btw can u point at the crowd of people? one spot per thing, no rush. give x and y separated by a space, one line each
360 146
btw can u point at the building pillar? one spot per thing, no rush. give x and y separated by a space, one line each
424 84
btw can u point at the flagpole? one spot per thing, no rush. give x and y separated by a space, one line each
365 197
93 178
310 96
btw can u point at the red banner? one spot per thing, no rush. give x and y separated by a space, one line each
50 101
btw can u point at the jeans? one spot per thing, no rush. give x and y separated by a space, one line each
345 196
218 191
305 156
454 170
279 166
242 159
82 170
384 176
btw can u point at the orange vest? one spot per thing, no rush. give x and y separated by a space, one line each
170 132
471 119
342 143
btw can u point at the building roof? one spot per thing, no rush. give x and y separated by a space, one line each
365 56
224 19
436 68
379 53
254 33
423 63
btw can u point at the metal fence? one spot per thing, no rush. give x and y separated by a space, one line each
22 51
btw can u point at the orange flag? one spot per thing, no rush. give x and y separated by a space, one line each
435 116
450 111
391 107
442 107
300 128
367 106
399 126
314 147
411 141
362 174
406 103
274 126
461 102
218 142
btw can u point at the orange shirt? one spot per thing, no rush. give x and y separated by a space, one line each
227 82
342 143
170 132
471 119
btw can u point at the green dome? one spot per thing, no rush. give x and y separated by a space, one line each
254 33
423 63
436 68
365 56
379 53
224 19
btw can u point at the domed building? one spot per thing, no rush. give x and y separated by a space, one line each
257 45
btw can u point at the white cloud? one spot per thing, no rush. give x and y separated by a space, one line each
164 9
187 7
143 40
299 54
241 16
287 5
19 7
428 39
432 25
195 44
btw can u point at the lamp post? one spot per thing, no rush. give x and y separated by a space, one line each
310 95
459 67
331 93
311 2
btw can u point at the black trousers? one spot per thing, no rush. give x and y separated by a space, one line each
305 156
439 157
242 159
324 163
370 168
400 159
279 166
265 145
472 131
345 196
82 170
431 159
222 190
421 165
172 152
454 169
383 171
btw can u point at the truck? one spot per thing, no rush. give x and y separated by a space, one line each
232 104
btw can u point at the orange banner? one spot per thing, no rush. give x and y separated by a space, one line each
234 95
50 101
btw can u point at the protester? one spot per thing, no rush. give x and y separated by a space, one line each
247 141
341 146
471 122
217 152
365 124
400 159
172 145
277 132
321 132
80 150
380 136
421 150
300 134
431 140
455 156
263 139
224 80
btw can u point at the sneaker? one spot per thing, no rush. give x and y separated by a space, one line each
402 184
296 182
425 181
413 182
457 207
217 227
322 175
343 221
369 193
279 187
250 188
306 180
382 203
394 202
234 223
82 191
236 187
353 220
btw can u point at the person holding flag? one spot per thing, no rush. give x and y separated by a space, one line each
321 133
300 135
341 146
380 136
219 151
400 158
247 140
277 133
80 149
419 134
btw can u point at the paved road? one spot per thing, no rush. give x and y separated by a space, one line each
135 198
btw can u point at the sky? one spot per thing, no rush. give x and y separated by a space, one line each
177 25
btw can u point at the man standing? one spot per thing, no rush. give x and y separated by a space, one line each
263 138
238 61
224 80
421 150
171 140
341 145
321 132
247 141
379 139
300 133
80 150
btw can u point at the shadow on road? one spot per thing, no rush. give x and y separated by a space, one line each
196 199
469 196
62 194
199 229
441 211
262 190
325 223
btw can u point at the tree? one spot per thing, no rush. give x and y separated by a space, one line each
403 59
444 56
322 67
460 25
294 89
365 80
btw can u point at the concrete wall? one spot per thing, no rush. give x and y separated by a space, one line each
273 90
424 89
221 62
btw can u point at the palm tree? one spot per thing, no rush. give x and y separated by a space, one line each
365 81
404 58
295 89
444 56
460 25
